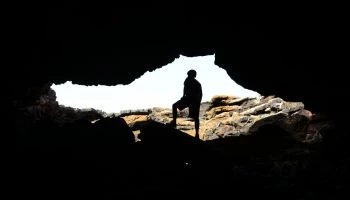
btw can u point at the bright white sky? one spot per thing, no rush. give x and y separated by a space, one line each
159 88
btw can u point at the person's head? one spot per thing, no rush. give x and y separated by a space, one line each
191 73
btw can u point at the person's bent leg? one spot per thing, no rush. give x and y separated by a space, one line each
180 104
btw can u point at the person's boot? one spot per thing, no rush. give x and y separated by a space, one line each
172 124
196 137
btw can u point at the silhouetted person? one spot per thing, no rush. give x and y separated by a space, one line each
192 97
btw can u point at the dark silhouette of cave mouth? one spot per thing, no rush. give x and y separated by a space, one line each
89 154
92 43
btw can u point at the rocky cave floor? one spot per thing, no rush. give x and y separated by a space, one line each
253 147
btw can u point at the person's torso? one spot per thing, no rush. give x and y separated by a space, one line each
193 89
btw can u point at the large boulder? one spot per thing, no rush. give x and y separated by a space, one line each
252 114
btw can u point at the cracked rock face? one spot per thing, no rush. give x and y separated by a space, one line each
228 116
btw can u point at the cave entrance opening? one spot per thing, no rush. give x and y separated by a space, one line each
158 88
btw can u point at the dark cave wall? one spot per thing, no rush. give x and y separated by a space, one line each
293 52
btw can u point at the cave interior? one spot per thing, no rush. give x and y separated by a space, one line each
293 52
